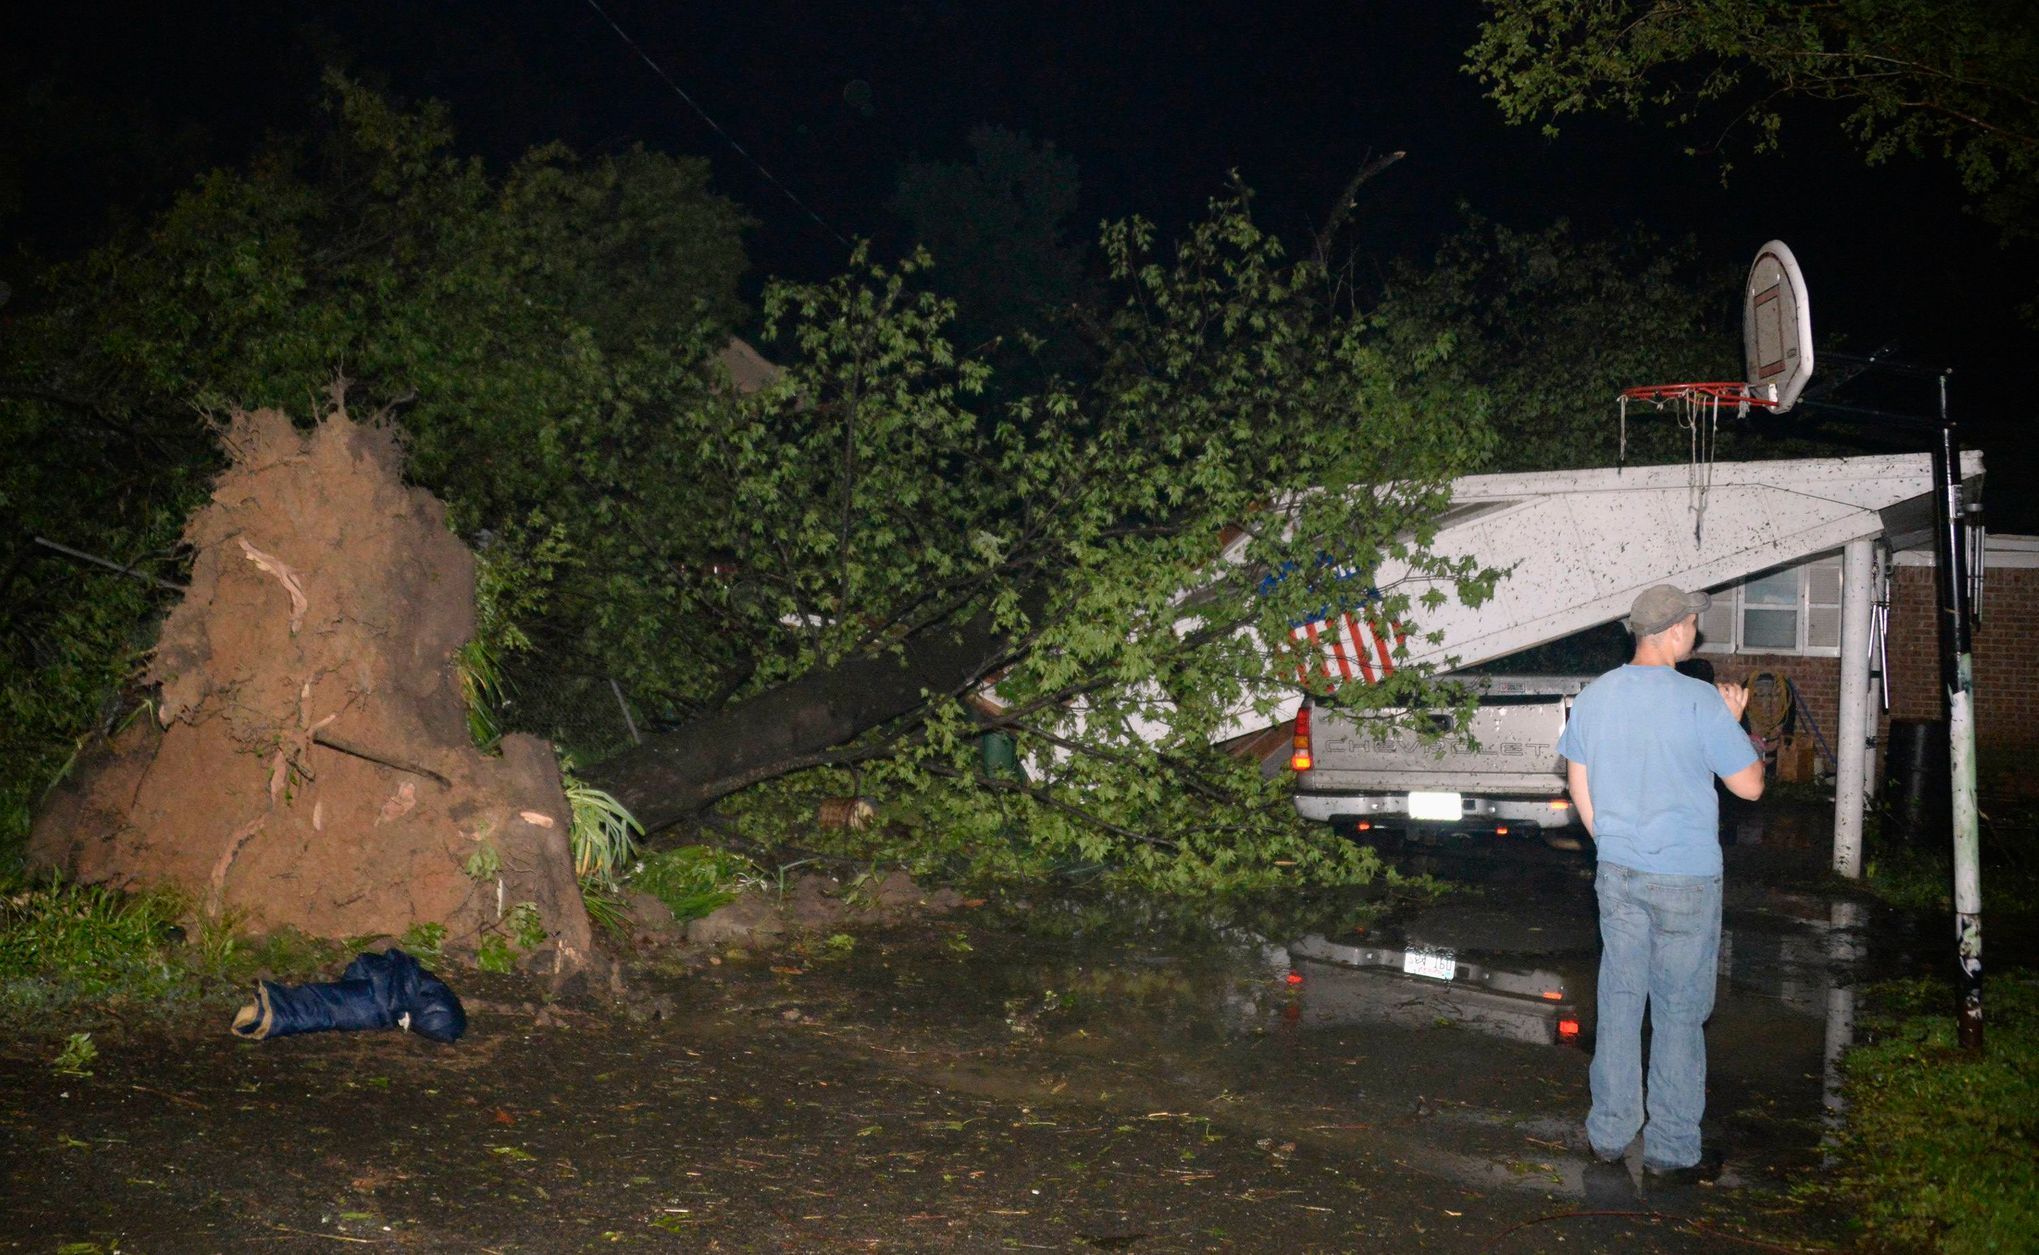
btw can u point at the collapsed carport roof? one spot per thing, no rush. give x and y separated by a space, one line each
1578 545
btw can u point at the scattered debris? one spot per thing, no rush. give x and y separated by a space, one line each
853 813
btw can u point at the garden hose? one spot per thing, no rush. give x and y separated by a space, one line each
1769 705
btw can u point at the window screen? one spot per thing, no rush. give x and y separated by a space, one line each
1770 631
1795 610
1770 612
1717 625
1823 606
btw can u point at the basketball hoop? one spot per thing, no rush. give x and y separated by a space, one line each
1742 395
1697 407
1692 401
1777 355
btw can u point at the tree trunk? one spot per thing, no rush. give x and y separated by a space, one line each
675 774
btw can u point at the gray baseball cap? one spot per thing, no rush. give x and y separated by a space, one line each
1658 608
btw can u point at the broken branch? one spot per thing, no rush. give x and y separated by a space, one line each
356 751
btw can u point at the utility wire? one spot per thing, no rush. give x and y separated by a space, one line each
713 125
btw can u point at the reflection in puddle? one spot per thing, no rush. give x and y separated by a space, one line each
1521 971
1345 983
1454 1078
1845 951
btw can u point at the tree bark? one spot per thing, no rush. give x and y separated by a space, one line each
674 774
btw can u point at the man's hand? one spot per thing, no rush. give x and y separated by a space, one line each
1737 698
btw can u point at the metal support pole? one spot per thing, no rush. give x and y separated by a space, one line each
1850 750
1879 674
1957 652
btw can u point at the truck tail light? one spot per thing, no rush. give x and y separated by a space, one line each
1299 754
1560 804
1568 1030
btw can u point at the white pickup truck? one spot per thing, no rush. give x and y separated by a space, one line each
1508 783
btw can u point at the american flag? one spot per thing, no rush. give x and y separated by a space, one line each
1342 645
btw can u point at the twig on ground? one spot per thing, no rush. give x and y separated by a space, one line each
331 1237
164 1093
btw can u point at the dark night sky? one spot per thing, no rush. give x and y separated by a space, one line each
1155 102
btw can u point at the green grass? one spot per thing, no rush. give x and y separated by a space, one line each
606 908
67 950
1921 878
66 944
691 880
483 690
1938 1152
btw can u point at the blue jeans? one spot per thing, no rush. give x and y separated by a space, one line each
1660 944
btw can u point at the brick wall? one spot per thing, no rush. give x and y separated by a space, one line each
2006 669
2006 656
1818 681
1914 643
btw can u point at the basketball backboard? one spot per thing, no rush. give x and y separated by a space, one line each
1777 327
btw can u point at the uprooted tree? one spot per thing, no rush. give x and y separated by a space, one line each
500 317
306 758
808 587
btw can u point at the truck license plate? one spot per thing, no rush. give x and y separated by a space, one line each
1436 806
1434 963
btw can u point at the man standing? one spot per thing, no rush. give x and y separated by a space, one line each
1642 747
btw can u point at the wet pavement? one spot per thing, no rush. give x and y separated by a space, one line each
1053 1078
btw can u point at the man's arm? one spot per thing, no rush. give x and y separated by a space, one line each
1746 784
1582 797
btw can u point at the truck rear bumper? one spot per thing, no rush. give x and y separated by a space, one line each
1393 808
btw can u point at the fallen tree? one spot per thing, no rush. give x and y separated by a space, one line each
801 586
887 548
502 316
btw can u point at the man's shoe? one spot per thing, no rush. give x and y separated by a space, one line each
1702 1173
1610 1156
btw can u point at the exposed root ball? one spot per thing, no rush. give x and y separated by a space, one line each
310 763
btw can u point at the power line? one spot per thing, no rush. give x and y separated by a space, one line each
713 125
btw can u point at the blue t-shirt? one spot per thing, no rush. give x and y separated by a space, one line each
1652 740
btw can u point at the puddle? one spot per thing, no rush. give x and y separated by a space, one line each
1342 1036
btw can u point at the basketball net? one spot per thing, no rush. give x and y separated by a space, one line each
1697 407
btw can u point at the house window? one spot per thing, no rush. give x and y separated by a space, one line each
1791 610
